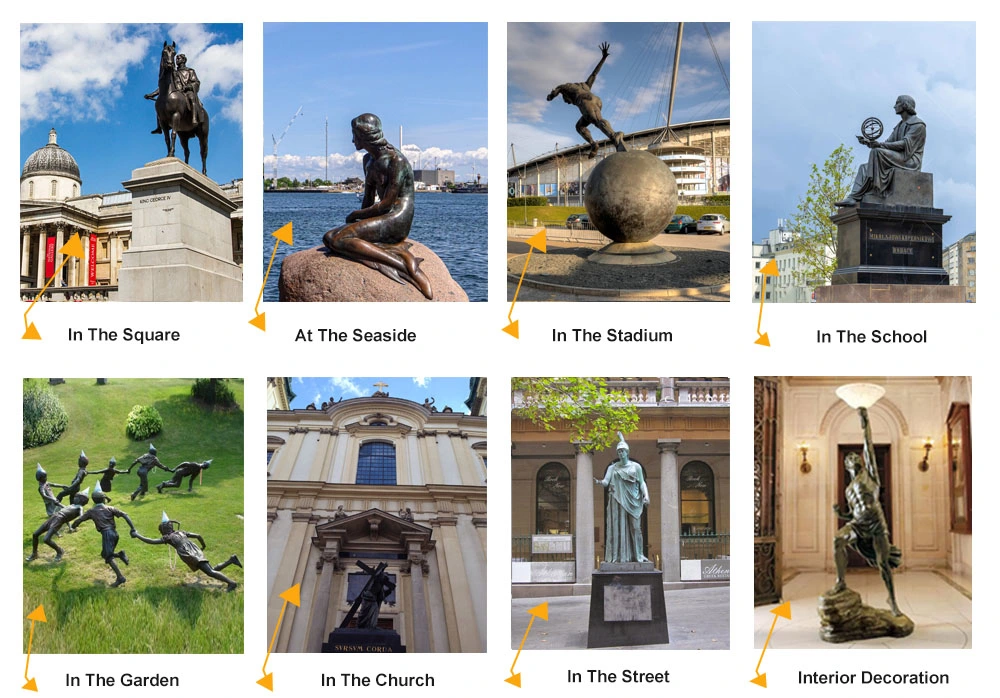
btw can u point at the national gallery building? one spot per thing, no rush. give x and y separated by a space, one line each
54 208
558 512
378 480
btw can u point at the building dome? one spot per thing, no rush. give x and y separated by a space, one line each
51 160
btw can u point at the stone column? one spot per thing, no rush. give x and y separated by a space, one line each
670 515
321 601
113 256
25 251
584 512
418 618
461 608
85 239
59 243
40 274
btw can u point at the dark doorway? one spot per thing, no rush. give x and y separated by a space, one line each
882 455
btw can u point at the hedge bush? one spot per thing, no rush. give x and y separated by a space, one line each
143 421
527 201
43 414
213 391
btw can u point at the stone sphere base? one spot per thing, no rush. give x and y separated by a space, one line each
631 196
632 253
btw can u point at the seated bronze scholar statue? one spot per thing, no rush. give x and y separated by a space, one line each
375 235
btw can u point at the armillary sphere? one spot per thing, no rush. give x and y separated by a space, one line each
871 128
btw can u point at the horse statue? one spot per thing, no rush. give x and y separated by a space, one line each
176 113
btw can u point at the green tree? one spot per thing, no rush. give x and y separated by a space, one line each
816 235
44 418
295 183
284 183
593 412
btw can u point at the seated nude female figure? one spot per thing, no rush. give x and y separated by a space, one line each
375 234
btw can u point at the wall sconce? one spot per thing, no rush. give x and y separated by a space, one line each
923 466
804 466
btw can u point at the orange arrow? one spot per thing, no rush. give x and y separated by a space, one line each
72 248
785 611
290 595
539 611
770 269
282 234
535 242
37 615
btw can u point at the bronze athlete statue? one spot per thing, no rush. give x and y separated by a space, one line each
580 95
375 235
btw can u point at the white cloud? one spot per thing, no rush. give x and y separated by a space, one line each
219 67
317 399
343 166
347 386
421 382
76 71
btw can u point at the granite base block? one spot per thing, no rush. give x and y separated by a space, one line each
627 608
890 293
357 640
843 618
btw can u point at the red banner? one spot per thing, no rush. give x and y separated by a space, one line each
50 256
92 262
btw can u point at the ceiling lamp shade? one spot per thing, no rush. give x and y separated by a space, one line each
860 394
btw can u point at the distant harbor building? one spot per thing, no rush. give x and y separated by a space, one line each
54 208
434 178
960 262
696 152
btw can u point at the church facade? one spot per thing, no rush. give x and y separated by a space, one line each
378 480
54 208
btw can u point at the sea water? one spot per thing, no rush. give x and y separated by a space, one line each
452 225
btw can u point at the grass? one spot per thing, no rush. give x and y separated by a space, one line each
556 215
164 607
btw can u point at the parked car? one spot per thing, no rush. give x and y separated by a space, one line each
579 221
682 224
713 223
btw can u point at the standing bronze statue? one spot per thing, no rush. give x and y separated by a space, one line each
866 530
104 517
73 487
55 522
903 151
189 553
108 474
52 504
147 462
589 104
179 111
375 235
185 469
627 497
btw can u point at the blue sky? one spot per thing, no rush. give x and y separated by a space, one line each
429 78
633 83
451 392
814 83
88 81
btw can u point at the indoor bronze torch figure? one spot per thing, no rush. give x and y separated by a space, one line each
185 469
104 517
189 553
55 522
375 235
147 462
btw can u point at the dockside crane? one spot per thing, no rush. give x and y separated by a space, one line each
274 181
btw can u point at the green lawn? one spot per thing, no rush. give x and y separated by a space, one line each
556 215
163 607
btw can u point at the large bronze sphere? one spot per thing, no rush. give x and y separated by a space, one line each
631 196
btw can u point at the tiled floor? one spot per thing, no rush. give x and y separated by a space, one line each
938 603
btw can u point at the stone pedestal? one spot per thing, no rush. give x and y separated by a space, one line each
892 240
318 275
182 239
357 640
890 293
843 618
627 606
632 253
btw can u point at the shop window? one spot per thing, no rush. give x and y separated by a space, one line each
697 499
552 485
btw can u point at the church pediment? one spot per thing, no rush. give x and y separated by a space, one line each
373 531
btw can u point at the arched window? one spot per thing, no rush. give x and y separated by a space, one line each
31 190
54 185
552 486
74 191
376 464
697 498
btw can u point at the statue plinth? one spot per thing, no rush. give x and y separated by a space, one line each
843 618
627 606
892 240
319 275
631 197
182 238
376 641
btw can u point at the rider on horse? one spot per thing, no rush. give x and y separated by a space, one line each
187 83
